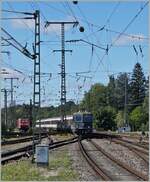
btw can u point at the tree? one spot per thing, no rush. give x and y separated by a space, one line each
111 97
137 86
95 98
121 90
105 118
145 110
136 118
119 119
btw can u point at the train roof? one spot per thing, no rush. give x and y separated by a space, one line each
82 112
70 117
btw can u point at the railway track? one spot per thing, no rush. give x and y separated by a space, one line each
121 164
20 140
144 145
140 152
93 164
135 143
28 150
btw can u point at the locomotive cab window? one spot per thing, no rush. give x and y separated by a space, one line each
77 118
88 117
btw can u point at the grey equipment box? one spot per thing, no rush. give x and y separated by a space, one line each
42 154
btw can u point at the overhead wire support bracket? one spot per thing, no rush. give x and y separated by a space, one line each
20 12
47 23
24 18
12 41
63 50
82 40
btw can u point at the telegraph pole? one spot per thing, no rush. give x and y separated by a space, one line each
125 102
30 113
12 88
12 99
63 73
5 105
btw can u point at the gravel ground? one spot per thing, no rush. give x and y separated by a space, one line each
123 154
79 163
112 169
136 140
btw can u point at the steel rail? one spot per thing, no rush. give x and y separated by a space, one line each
18 153
134 143
92 163
19 140
138 151
120 163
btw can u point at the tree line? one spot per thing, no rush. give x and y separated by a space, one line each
123 101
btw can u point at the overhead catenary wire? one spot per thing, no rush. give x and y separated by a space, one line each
86 36
107 21
11 7
19 12
126 27
34 5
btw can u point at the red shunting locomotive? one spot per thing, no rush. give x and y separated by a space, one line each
23 124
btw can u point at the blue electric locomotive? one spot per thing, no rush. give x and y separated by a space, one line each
83 122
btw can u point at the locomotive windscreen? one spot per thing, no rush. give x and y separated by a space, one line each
88 117
77 117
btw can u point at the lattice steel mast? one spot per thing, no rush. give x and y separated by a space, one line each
63 73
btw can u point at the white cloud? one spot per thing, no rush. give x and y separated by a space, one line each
53 28
29 23
123 40
6 72
11 73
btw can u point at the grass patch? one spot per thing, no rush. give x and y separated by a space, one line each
59 169
20 171
60 161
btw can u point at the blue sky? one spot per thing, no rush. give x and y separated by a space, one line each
115 16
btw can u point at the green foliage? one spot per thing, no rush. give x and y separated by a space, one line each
59 169
105 118
100 98
119 119
139 117
121 90
105 102
95 98
136 118
23 111
137 86
111 97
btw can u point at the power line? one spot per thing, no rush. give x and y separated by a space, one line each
131 21
20 12
11 7
112 13
127 35
67 4
34 4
